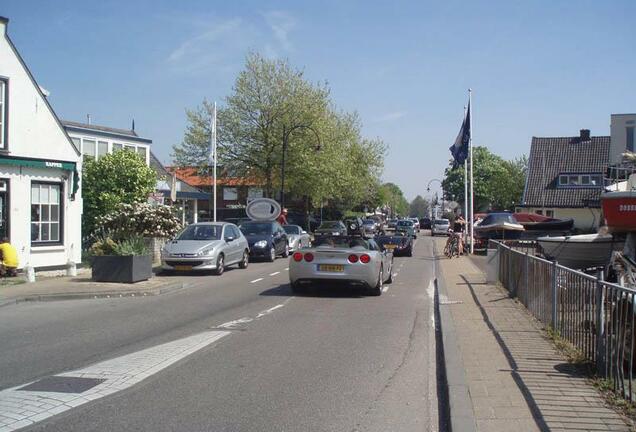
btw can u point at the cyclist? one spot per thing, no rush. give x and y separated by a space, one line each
456 236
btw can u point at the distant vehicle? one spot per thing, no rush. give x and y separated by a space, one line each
416 224
331 228
425 223
266 239
440 226
355 226
370 226
406 226
391 223
297 237
350 259
399 243
206 246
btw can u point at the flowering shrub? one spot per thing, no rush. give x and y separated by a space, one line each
139 220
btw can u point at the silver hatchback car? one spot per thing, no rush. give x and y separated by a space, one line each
207 246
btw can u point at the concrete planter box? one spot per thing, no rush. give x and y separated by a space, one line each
122 269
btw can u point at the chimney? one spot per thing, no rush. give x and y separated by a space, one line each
4 23
585 135
88 119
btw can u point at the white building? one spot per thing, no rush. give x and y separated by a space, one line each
96 141
40 197
622 128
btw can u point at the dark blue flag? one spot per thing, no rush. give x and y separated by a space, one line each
459 150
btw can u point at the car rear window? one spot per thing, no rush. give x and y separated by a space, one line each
405 223
441 222
256 228
341 242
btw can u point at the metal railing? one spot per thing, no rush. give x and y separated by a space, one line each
595 316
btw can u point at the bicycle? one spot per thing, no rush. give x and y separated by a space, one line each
453 245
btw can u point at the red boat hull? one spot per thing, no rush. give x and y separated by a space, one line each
619 209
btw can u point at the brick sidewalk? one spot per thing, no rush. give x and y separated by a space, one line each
516 379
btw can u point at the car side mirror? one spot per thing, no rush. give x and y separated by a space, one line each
303 232
229 239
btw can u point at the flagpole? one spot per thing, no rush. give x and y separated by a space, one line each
465 193
472 180
214 157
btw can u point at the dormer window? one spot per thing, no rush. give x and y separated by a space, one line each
583 180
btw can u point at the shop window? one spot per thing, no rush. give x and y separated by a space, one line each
4 84
230 194
46 213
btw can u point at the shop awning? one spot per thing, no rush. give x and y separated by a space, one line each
44 163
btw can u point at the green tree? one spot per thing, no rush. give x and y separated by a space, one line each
419 207
498 183
326 158
392 197
119 177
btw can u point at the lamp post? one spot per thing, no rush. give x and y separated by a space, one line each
286 134
428 189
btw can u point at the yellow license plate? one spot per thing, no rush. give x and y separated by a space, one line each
183 267
390 246
332 268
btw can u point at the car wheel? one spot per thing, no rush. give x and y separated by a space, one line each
377 290
245 261
220 265
272 255
409 253
286 251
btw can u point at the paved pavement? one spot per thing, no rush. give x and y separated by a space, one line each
82 287
515 379
330 360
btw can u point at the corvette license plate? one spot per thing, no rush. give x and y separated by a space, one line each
332 268
183 267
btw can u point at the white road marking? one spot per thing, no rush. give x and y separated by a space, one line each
274 274
269 311
287 268
385 288
256 280
20 408
431 295
234 323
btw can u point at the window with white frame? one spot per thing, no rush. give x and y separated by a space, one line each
88 149
46 213
117 147
254 192
585 180
230 194
3 113
102 149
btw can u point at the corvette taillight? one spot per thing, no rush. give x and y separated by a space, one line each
353 258
309 257
364 258
298 257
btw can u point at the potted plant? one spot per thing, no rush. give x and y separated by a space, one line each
124 261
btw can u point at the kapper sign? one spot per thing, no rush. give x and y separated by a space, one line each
263 209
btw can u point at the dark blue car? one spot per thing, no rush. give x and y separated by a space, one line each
266 239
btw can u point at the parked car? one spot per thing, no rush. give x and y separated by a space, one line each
398 243
206 246
350 259
370 226
297 237
425 223
266 239
331 228
416 224
406 226
440 226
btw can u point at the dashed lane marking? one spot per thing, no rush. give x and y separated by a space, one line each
274 274
256 280
21 408
269 311
286 268
385 288
235 323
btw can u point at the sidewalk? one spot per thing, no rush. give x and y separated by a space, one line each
514 379
80 287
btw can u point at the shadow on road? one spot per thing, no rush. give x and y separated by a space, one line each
324 291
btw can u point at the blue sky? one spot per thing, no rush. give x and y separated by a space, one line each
537 68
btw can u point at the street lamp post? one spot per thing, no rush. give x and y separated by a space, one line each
428 189
286 134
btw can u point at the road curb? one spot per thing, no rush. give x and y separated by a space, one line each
462 416
164 289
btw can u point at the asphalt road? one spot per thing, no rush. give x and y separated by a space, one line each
329 360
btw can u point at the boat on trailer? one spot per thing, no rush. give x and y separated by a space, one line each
580 251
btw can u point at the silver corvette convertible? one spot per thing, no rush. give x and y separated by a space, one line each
351 259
